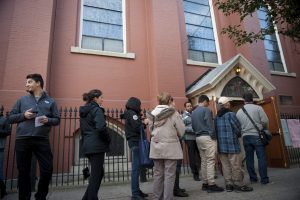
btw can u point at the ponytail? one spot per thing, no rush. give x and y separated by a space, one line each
88 97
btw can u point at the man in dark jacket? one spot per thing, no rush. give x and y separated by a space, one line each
34 113
133 125
5 130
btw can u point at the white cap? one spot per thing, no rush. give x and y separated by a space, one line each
223 100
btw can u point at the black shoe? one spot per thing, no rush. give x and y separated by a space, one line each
196 177
179 193
142 194
204 186
2 189
253 180
214 188
229 188
2 194
265 182
143 179
86 173
137 198
143 176
243 188
179 189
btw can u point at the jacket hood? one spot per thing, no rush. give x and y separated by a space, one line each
160 114
222 112
134 104
84 110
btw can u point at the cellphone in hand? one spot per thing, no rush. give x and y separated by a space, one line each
34 111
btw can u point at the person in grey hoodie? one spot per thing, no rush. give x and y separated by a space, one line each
95 139
34 114
166 127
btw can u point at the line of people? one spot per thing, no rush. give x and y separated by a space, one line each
37 112
210 136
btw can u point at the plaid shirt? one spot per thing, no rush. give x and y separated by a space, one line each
228 130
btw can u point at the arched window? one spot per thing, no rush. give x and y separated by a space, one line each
236 87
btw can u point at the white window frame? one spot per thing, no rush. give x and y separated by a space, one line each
280 50
124 54
218 50
213 20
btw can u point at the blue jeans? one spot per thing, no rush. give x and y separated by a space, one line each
135 170
251 144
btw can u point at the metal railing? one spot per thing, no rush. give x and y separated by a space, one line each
67 160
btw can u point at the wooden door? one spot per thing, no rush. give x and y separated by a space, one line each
276 151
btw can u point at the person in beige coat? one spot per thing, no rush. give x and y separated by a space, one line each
166 126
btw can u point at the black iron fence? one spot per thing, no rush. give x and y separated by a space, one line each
67 160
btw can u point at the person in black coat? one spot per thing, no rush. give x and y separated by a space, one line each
34 115
95 138
133 126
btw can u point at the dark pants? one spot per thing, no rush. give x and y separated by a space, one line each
178 170
40 147
1 164
97 173
251 144
194 156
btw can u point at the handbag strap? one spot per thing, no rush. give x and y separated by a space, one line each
245 111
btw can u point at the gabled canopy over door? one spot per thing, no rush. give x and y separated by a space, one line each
276 152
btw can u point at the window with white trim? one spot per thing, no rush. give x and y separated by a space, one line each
271 44
102 25
200 31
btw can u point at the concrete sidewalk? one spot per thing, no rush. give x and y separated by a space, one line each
285 185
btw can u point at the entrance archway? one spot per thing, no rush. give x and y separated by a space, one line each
232 78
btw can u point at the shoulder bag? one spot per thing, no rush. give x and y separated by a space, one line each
144 148
264 135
